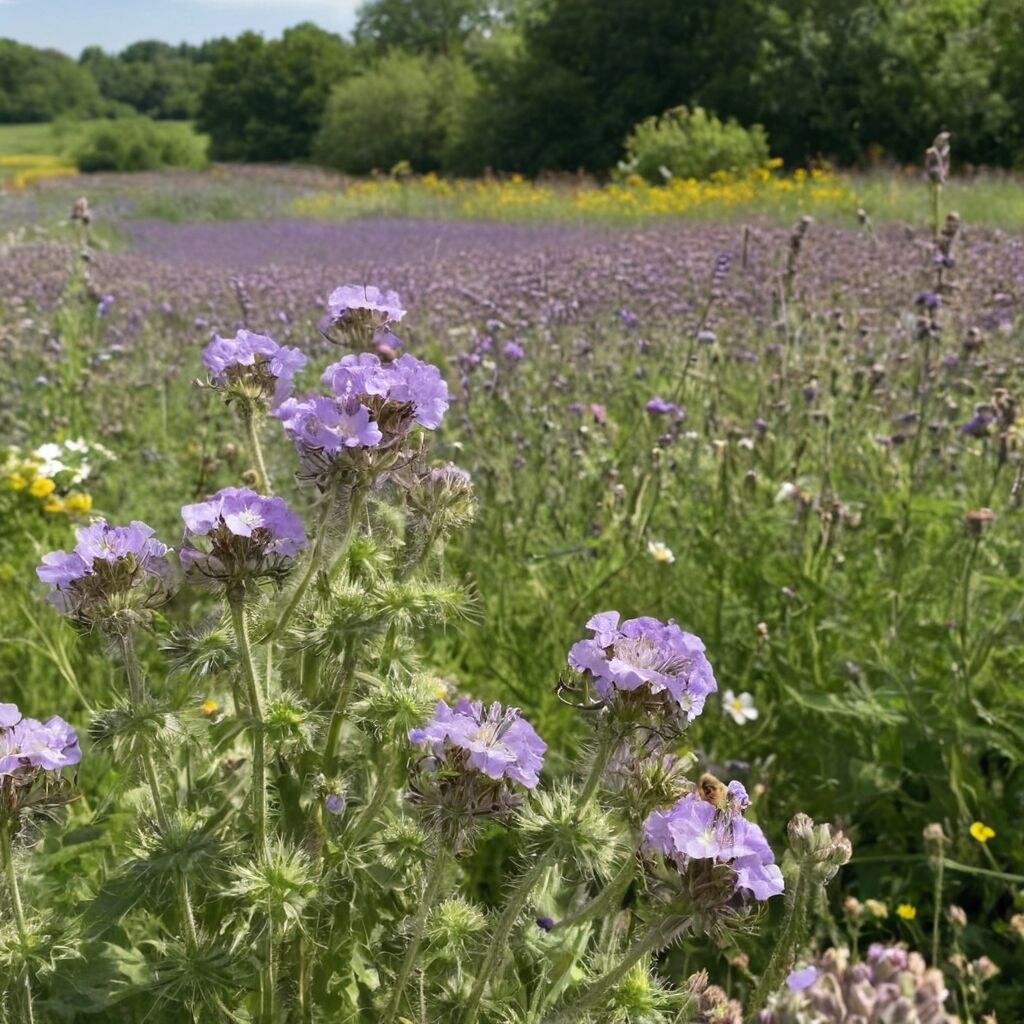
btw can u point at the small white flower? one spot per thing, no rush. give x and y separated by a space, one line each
660 552
746 443
740 706
787 490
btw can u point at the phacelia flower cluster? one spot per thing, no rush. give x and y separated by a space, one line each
111 569
373 407
708 824
645 665
361 312
239 536
252 366
28 746
475 756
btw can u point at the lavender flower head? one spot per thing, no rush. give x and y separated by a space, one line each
397 394
631 662
28 746
110 569
475 757
239 535
322 428
695 828
252 366
360 311
497 742
661 407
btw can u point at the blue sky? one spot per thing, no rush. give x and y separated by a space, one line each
71 25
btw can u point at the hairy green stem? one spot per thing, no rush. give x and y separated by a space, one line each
380 794
347 681
793 934
658 934
937 904
136 693
435 880
605 746
498 945
252 436
259 741
605 898
7 850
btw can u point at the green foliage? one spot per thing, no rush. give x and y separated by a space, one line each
40 85
403 108
265 100
425 26
151 77
685 143
138 144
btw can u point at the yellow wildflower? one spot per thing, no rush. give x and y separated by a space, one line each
907 911
209 707
41 487
54 505
981 832
78 502
17 482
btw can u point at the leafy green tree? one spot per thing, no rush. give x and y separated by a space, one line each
427 26
40 85
265 100
406 107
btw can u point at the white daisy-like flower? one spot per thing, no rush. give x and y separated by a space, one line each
787 490
660 552
740 706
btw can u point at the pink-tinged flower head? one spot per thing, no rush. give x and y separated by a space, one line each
108 565
694 829
252 366
238 534
645 656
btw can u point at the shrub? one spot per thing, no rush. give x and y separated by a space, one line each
685 143
405 108
139 144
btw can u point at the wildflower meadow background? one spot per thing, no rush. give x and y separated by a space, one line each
508 599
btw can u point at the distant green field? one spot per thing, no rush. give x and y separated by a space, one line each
46 139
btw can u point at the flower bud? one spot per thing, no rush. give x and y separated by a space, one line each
957 916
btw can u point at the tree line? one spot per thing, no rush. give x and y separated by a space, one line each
555 85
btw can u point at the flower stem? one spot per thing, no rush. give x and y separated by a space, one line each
434 881
937 908
499 940
793 934
380 794
604 750
259 782
605 898
348 676
658 934
136 694
252 436
7 850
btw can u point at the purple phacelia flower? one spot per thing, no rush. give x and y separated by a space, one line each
646 657
797 981
238 535
494 741
27 745
978 425
360 311
103 306
694 829
107 564
628 318
545 923
252 366
397 394
513 350
707 337
929 300
334 803
328 425
661 407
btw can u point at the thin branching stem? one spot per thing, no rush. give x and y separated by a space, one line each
7 849
252 436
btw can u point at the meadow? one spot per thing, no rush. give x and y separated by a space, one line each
779 411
